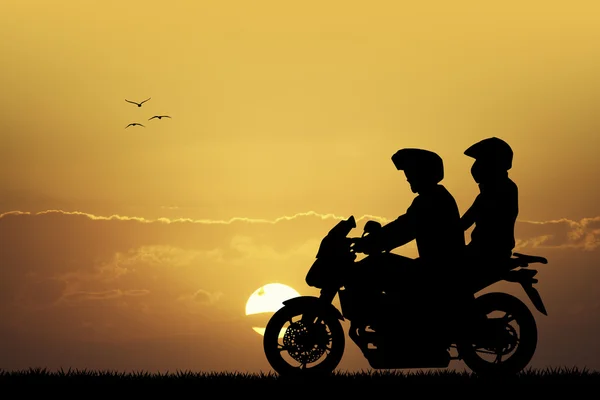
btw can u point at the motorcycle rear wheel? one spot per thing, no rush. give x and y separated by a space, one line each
504 339
294 348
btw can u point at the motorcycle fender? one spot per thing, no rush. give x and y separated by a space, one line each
311 301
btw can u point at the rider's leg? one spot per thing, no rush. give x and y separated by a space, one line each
397 273
379 272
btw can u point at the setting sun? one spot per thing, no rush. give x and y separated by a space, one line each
268 299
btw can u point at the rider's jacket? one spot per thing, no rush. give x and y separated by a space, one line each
433 221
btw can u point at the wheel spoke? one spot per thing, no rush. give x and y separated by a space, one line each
306 341
508 317
486 351
498 359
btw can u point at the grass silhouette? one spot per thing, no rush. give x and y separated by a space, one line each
342 379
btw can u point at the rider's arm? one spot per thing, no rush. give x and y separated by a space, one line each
398 232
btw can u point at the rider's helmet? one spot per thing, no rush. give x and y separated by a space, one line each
492 151
422 166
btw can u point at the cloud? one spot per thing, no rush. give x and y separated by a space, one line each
201 296
105 295
40 291
564 232
199 221
70 277
50 254
561 233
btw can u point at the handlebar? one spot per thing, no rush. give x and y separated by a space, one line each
353 242
341 230
365 250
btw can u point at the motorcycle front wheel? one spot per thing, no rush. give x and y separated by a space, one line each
508 340
299 347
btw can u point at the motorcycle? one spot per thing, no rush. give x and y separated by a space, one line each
305 336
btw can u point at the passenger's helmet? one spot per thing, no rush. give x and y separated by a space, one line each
493 151
426 165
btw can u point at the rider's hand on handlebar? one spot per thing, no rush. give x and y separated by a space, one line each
366 245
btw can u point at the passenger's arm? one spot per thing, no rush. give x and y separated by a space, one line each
468 218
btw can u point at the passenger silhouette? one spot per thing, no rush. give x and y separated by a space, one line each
433 221
494 210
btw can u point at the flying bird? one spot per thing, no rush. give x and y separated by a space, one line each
159 117
134 124
138 104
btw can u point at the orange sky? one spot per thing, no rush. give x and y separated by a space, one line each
277 110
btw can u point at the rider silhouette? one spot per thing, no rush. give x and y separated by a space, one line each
432 220
495 209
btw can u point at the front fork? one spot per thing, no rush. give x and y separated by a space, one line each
311 316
